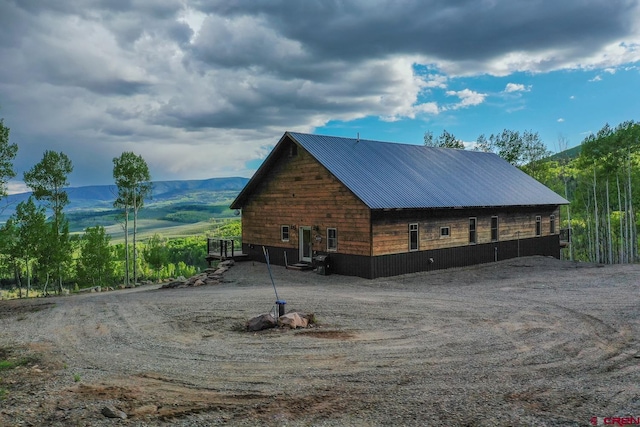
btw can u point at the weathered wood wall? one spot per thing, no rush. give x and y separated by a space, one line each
298 192
391 228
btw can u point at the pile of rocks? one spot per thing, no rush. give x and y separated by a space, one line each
291 320
209 277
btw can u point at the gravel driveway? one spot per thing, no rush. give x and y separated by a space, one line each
531 341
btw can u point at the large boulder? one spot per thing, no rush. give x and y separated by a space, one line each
259 323
111 411
293 320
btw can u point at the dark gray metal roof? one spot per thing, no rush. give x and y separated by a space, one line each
388 175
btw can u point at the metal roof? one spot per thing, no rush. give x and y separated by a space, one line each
387 175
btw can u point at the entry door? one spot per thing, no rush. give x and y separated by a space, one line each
305 244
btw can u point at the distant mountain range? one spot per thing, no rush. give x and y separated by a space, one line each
214 191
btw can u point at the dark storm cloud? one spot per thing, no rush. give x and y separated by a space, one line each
449 30
226 78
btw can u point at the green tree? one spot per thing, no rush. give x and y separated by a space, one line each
31 225
95 265
156 253
445 140
132 177
9 250
7 155
608 161
48 180
524 150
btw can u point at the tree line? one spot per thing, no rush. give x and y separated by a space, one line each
39 246
598 182
37 249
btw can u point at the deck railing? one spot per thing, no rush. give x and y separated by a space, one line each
224 248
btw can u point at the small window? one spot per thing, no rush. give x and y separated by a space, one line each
332 239
413 237
552 224
284 233
445 232
293 150
494 228
473 236
538 225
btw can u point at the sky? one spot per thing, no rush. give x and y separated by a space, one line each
206 88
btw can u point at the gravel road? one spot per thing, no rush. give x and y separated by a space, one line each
530 341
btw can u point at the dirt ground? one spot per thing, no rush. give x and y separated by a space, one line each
530 341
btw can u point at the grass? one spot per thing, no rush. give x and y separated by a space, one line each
6 363
167 229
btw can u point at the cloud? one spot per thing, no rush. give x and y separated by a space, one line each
596 79
516 87
187 83
467 97
560 120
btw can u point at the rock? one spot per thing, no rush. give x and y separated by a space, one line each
174 284
293 320
259 323
198 282
111 411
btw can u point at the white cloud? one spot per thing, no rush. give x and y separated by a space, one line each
436 81
596 79
560 120
467 97
516 87
16 187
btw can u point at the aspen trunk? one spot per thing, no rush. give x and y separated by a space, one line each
596 219
609 235
621 257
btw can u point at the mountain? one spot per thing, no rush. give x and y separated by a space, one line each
568 154
95 198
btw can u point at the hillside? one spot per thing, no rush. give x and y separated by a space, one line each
569 154
172 203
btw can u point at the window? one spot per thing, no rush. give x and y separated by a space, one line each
473 237
494 228
552 224
413 237
284 233
444 232
538 225
332 239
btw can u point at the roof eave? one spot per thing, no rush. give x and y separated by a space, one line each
239 201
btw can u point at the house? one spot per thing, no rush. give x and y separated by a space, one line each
382 209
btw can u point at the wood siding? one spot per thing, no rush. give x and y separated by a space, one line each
391 228
299 192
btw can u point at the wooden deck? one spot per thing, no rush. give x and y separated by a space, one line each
222 250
